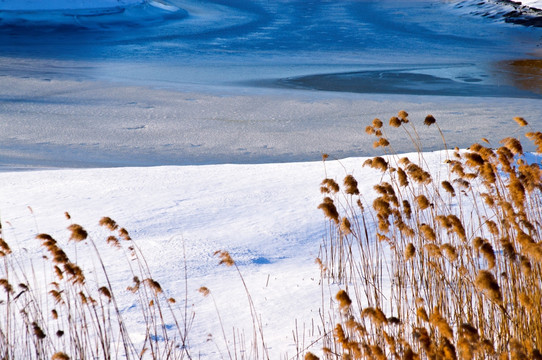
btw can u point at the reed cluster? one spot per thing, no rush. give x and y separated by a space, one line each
53 309
437 265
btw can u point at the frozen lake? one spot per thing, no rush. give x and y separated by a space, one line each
177 81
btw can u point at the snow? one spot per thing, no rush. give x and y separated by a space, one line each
265 215
532 3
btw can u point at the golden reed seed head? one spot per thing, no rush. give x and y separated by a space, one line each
331 185
225 258
379 163
351 185
325 157
513 144
536 138
108 223
449 251
429 120
376 315
427 232
113 241
473 160
370 130
383 142
422 201
77 232
345 226
105 292
153 284
377 123
6 285
486 282
204 291
448 187
38 332
457 226
340 335
311 356
5 249
402 177
410 251
67 215
344 300
60 355
407 209
521 121
487 251
329 209
403 115
123 234
395 122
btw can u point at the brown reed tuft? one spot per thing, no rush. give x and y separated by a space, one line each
427 232
77 233
410 251
486 282
403 115
113 241
329 209
38 332
513 144
418 174
345 226
154 285
311 356
109 223
351 185
536 138
487 251
521 121
331 185
60 356
450 251
370 130
423 202
448 187
344 300
395 122
105 292
402 177
377 123
429 120
4 248
123 234
204 291
375 315
225 258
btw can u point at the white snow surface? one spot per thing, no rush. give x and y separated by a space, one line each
265 215
532 3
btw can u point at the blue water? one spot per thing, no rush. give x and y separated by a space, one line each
209 44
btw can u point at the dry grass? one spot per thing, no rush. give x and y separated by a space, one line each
452 269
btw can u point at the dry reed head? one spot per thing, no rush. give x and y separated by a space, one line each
204 291
375 315
486 282
377 123
38 332
77 233
123 234
395 122
351 185
410 251
448 187
331 185
344 300
311 356
345 226
513 144
429 120
402 177
225 258
108 223
423 202
60 356
403 115
113 241
521 121
105 292
4 248
329 209
427 232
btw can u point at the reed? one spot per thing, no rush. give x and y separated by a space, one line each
456 264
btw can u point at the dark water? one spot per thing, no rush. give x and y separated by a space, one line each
386 46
